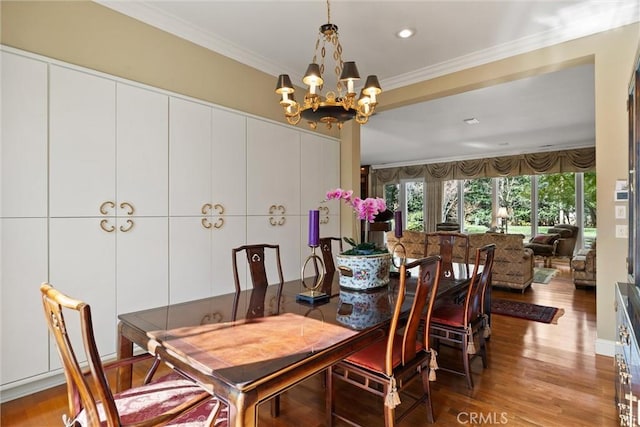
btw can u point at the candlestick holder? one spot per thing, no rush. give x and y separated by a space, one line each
401 260
313 295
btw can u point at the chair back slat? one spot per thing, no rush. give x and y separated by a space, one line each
451 246
80 394
326 249
420 313
475 295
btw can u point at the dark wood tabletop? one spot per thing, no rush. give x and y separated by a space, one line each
243 351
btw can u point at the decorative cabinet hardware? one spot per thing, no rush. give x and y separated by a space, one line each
623 334
127 227
324 214
105 209
215 317
627 357
217 209
106 205
128 206
277 210
104 224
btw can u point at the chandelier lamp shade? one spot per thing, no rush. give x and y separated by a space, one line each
334 107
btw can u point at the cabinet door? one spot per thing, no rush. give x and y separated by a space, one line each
190 267
82 265
273 168
23 267
82 142
23 152
230 235
228 162
142 151
320 161
287 235
320 169
142 256
189 157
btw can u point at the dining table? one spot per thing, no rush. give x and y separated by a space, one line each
245 351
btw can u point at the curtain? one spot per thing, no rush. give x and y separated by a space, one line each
578 160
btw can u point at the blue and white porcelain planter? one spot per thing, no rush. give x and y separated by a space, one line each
364 272
360 310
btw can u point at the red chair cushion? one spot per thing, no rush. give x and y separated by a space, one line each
373 357
144 402
449 314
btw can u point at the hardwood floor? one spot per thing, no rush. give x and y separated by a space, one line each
539 375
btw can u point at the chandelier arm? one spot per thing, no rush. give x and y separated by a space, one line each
329 109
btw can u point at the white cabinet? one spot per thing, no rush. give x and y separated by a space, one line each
189 157
273 169
228 162
23 212
142 276
273 191
130 198
207 198
23 266
82 264
200 258
142 163
23 155
108 196
142 173
320 169
82 149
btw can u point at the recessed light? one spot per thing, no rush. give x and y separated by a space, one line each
471 121
405 33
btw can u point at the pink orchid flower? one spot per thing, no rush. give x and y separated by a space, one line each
366 209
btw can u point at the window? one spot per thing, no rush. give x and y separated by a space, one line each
477 205
450 202
514 193
534 203
408 197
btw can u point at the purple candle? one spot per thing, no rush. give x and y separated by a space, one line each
397 215
314 228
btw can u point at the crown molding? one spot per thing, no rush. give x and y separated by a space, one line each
626 13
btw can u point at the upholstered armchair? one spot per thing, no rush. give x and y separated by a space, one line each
559 241
583 267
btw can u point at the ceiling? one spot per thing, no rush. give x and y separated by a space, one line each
547 112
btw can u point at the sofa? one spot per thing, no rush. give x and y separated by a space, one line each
512 265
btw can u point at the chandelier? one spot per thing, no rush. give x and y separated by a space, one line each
335 107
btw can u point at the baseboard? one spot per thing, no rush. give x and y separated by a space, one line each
27 387
605 347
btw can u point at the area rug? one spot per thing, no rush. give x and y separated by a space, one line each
543 275
525 310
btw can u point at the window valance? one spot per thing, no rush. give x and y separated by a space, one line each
577 160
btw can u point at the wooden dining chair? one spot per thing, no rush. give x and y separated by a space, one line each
388 366
460 325
448 245
171 400
326 248
258 270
